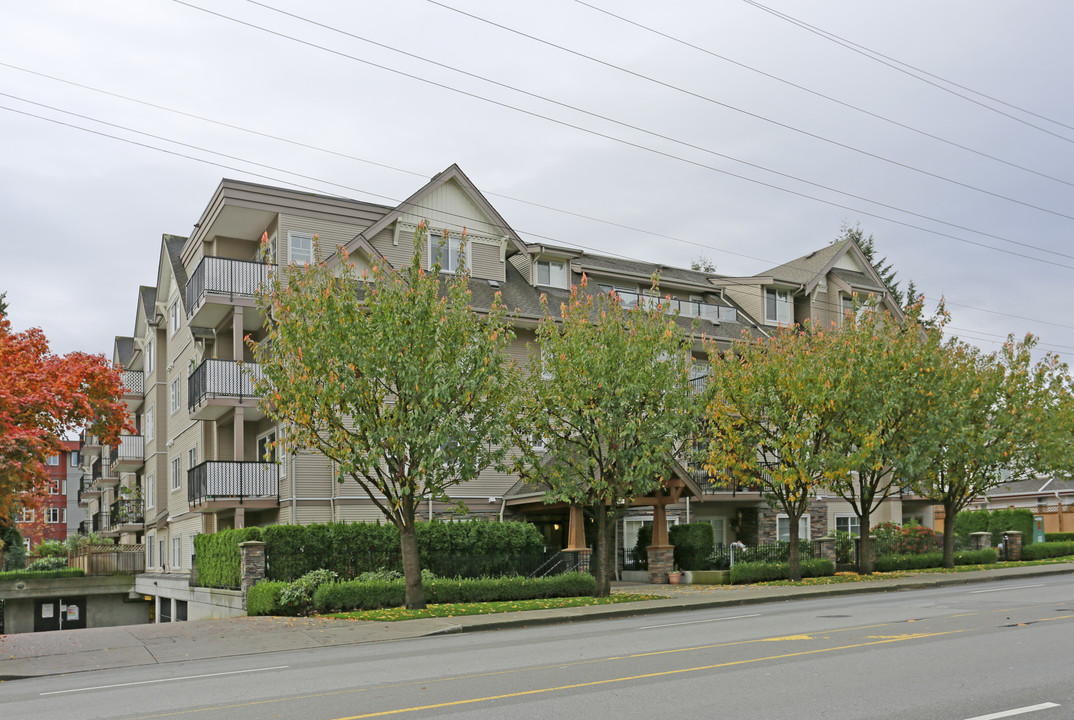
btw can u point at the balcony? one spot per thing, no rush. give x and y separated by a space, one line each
91 446
685 308
218 386
129 455
100 522
127 516
219 485
87 491
133 387
727 487
219 284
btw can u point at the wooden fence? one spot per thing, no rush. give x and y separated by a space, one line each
109 559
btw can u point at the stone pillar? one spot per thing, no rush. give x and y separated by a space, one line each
826 548
1012 541
252 565
661 560
980 540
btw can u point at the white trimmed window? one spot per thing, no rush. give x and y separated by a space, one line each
147 425
150 493
176 395
53 459
75 459
266 446
177 552
192 456
783 528
300 248
778 307
149 357
54 487
177 468
175 317
848 524
450 253
26 515
55 515
552 273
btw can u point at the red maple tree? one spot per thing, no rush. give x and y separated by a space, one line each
44 396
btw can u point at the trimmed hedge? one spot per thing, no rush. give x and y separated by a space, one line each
890 563
1039 551
41 574
995 522
693 543
356 595
218 558
1059 537
751 572
264 598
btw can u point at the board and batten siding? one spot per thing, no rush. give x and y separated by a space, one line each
449 206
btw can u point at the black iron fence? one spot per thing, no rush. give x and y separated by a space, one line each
100 522
127 512
224 276
221 378
225 480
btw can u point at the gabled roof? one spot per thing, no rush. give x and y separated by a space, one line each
123 352
809 269
148 297
414 201
173 244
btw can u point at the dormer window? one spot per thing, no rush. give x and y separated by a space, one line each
449 253
552 273
778 307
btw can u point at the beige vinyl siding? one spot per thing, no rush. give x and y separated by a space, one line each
748 297
826 308
397 253
847 262
489 483
522 346
523 264
360 512
307 513
233 248
485 262
312 476
330 235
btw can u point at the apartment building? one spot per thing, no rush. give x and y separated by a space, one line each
202 460
54 513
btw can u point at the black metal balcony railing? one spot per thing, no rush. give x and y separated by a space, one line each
232 480
126 512
101 522
697 384
131 447
85 487
224 276
84 528
221 378
133 381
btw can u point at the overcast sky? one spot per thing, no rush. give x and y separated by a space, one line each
705 150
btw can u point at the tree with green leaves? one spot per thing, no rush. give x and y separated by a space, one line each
768 413
608 395
879 435
393 376
1002 417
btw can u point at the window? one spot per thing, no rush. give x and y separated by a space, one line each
848 303
150 493
552 272
75 459
175 317
300 250
848 524
450 253
54 487
192 456
269 250
26 515
778 307
266 447
53 459
176 395
177 551
147 425
783 528
177 467
55 515
149 357
538 442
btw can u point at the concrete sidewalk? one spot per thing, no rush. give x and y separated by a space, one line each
54 653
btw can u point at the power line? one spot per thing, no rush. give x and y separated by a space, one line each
895 65
676 157
734 108
815 93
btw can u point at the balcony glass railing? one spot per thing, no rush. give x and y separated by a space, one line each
226 480
224 276
685 308
221 378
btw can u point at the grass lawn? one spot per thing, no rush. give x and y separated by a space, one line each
457 609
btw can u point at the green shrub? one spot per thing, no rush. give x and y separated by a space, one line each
1059 537
920 561
751 572
970 521
51 548
218 559
48 563
1040 551
41 574
264 598
987 556
11 548
1020 519
693 543
297 597
357 595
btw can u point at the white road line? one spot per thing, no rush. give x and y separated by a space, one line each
148 682
1016 587
694 622
1016 711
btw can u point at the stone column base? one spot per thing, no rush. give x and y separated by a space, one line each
661 560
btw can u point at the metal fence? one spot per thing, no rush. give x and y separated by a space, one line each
221 378
224 276
131 447
231 479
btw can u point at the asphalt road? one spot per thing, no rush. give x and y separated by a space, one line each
971 651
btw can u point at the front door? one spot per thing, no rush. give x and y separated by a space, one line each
46 615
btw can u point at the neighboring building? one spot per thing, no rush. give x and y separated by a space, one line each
54 514
1050 498
200 462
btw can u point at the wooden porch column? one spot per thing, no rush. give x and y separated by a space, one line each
236 334
661 553
575 530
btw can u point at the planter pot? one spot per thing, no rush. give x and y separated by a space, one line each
674 578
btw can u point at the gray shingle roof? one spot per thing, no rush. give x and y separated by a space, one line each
802 270
124 351
174 246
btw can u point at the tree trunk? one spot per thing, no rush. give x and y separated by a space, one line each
794 570
949 513
865 544
602 555
408 540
